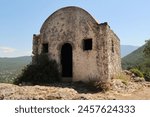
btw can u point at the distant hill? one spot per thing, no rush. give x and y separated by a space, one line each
127 49
10 68
133 58
14 63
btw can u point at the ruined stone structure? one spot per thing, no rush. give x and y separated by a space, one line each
83 48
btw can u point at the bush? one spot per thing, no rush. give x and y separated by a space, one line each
137 72
45 71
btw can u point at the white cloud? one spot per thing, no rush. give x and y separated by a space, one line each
7 49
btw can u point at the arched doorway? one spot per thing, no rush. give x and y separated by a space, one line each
66 60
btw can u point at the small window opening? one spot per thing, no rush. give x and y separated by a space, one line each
87 44
45 48
112 47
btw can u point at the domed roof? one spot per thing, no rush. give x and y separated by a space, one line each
67 10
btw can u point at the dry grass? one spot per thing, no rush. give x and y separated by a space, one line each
123 77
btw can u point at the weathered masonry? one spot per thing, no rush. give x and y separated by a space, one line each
83 48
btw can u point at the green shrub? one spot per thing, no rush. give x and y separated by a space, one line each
137 72
45 71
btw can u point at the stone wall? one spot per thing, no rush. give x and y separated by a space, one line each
113 54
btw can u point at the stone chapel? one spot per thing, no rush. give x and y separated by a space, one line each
82 47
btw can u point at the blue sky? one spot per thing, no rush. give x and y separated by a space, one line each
20 19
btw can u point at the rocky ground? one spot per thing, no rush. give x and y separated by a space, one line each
119 90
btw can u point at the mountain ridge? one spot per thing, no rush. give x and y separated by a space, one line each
134 58
127 49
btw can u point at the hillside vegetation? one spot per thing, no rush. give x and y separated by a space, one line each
140 60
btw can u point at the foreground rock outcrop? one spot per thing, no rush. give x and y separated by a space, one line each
119 90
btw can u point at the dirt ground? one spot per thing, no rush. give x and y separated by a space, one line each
142 94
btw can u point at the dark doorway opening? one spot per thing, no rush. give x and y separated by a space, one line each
66 60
